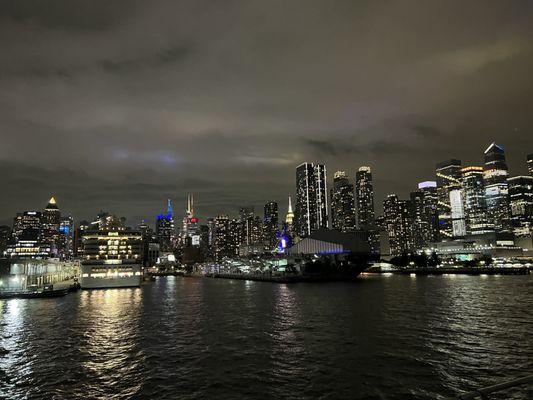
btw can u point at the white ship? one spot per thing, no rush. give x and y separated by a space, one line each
112 256
110 274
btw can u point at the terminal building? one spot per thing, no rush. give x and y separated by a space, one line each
331 242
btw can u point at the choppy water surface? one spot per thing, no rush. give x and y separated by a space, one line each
390 337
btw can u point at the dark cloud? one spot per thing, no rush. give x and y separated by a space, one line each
427 132
121 104
162 57
70 15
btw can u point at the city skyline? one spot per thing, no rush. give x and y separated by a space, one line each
131 111
302 199
182 204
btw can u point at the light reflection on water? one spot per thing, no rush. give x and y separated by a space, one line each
380 337
111 346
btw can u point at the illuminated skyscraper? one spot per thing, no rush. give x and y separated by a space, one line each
66 237
251 228
271 222
28 220
364 194
289 218
225 232
521 202
424 214
364 198
51 218
321 196
474 201
457 213
496 189
448 175
430 212
27 237
342 203
165 229
530 164
399 224
190 231
311 198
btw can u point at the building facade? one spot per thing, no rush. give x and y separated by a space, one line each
51 219
271 224
165 230
399 224
495 176
448 178
364 198
311 198
521 204
475 206
342 203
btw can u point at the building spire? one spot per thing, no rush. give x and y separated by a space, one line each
169 207
290 214
190 205
52 204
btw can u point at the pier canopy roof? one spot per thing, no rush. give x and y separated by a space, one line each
325 241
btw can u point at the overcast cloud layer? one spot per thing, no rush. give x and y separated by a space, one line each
120 104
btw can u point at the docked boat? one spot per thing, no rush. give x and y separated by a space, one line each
46 292
106 274
112 258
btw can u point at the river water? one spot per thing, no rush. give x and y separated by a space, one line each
383 337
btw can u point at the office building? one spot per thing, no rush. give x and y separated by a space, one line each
475 207
521 204
51 219
66 238
190 235
457 213
165 230
495 176
448 174
271 224
311 198
365 213
342 203
399 224
430 213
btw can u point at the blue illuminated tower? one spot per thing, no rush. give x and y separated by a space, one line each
165 230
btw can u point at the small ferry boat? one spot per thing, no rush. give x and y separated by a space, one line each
33 293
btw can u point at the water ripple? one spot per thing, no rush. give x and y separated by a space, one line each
391 337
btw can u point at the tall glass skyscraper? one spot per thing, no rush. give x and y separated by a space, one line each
474 201
311 198
364 197
51 218
496 189
342 203
457 213
271 223
521 204
529 163
425 214
364 192
165 229
448 174
398 215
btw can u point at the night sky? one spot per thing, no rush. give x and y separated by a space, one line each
120 104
